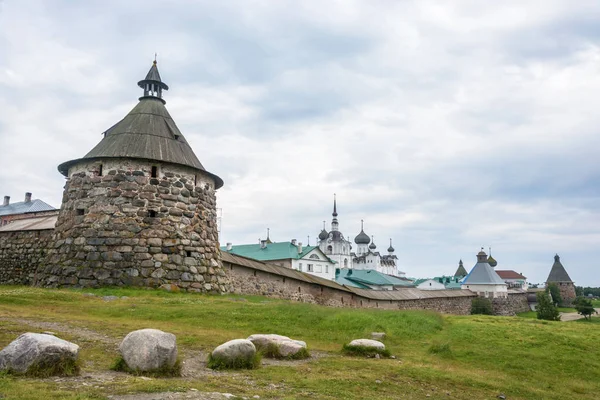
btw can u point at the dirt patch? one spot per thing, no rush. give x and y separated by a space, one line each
58 327
192 394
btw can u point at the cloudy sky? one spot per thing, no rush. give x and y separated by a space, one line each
445 125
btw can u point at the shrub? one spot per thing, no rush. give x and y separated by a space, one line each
219 363
62 368
481 305
555 293
545 309
121 366
363 351
584 307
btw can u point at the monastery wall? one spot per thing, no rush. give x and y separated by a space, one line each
21 253
509 306
247 280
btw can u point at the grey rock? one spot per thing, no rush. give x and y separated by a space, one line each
149 349
110 298
368 343
285 346
36 349
235 350
377 335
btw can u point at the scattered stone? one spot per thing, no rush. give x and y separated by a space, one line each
46 354
393 357
277 346
368 343
149 350
377 381
237 353
110 298
502 396
377 356
378 335
89 295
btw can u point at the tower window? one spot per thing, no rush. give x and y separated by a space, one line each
80 211
152 213
188 253
154 172
100 170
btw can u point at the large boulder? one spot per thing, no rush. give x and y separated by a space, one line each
237 353
39 353
278 346
374 344
149 350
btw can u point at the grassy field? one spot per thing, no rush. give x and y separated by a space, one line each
596 303
438 356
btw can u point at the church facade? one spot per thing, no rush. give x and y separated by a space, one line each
366 257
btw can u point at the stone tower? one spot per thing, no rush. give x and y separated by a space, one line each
558 275
139 209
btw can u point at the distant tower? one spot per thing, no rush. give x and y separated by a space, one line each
362 240
461 271
139 209
334 244
558 275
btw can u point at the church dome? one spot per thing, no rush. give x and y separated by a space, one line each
323 235
372 245
391 248
362 237
492 261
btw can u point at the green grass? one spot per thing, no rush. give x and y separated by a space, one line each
466 356
272 351
596 303
220 363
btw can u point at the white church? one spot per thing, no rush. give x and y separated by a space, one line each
339 248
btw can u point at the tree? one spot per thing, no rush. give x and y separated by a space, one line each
584 307
545 309
481 305
578 291
555 293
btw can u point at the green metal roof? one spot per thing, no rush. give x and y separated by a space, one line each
369 277
273 251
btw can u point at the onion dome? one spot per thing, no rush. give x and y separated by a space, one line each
391 249
362 237
324 234
372 245
492 261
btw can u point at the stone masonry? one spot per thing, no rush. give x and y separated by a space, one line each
120 226
21 253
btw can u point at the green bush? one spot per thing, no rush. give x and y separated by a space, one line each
481 305
545 309
584 307
555 293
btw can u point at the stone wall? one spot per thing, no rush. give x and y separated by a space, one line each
567 292
20 255
515 303
245 280
118 225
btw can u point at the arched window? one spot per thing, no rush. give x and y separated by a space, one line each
314 256
329 249
345 263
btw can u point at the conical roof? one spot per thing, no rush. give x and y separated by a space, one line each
153 75
148 132
482 274
461 271
558 272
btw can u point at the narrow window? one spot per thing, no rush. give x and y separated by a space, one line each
100 170
176 137
283 280
189 253
152 213
254 273
195 180
154 171
80 211
299 289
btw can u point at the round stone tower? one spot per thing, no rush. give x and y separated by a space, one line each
139 209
